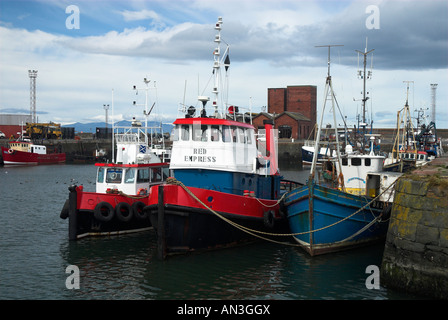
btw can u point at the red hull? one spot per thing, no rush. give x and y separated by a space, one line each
100 214
27 158
87 201
242 206
183 224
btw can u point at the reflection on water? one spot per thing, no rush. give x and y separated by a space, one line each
35 252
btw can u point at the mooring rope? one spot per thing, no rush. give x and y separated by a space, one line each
174 181
121 193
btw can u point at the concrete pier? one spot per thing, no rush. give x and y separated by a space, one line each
415 256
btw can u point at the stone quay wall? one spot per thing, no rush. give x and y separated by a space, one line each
415 257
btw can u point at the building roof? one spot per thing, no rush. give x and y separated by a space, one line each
267 115
295 115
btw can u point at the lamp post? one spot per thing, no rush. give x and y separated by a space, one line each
106 108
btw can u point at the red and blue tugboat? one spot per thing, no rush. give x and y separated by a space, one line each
226 184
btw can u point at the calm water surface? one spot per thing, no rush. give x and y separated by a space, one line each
35 252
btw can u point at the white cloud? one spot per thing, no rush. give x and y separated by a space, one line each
272 45
139 15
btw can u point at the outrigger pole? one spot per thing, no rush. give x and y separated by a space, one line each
328 89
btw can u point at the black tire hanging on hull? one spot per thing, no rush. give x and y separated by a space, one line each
103 212
123 212
138 210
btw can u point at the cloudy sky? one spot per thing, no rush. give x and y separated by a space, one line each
272 44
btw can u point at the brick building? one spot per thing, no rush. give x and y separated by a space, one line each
293 109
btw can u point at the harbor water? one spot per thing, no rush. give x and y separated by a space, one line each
36 256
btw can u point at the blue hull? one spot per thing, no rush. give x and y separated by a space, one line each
327 211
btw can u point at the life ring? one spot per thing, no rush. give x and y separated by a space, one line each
269 218
103 211
142 192
123 211
137 209
11 151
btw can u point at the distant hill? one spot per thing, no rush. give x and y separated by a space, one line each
91 126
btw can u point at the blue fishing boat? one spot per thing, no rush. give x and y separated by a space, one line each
350 207
325 220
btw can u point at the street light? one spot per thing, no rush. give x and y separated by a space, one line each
106 107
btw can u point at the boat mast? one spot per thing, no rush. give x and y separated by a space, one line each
408 125
364 77
328 91
146 113
217 64
113 129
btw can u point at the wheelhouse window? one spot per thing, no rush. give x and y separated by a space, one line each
356 161
175 133
226 134
214 134
129 176
367 162
344 161
156 174
199 132
143 175
114 175
100 175
234 135
248 133
185 132
241 135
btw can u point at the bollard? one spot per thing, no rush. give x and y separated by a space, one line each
161 246
73 214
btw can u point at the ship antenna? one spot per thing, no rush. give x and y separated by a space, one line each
217 63
364 77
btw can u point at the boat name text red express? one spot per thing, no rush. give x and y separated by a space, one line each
199 158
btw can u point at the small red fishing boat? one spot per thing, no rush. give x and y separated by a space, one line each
22 152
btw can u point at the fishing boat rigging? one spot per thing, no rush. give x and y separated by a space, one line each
352 208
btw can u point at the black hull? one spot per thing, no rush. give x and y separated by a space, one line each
88 226
191 229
